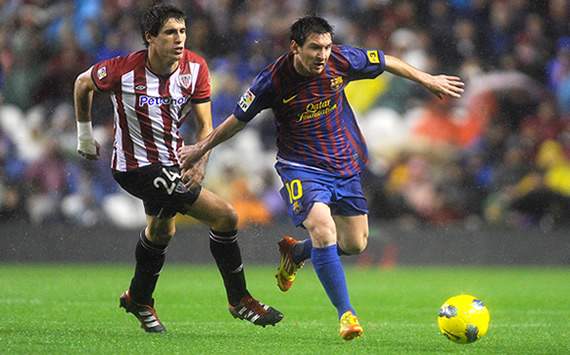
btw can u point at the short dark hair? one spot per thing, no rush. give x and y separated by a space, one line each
304 26
156 16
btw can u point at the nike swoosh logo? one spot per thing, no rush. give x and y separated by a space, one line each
286 101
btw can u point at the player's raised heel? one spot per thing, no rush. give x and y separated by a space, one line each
287 270
146 314
253 311
349 326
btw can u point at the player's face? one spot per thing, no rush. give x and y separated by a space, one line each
311 58
169 43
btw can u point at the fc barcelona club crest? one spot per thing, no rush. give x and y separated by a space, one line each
185 80
336 82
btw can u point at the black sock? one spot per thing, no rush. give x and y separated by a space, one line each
150 258
225 250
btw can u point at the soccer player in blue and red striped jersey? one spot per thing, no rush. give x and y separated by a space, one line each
321 151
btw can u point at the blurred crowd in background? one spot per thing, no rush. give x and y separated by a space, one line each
499 155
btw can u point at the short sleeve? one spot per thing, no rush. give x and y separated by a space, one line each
203 89
364 63
257 98
106 74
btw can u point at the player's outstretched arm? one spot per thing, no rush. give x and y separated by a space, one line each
83 90
189 154
439 85
194 175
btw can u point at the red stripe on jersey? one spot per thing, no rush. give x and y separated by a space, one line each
164 91
358 149
322 135
335 116
338 66
180 140
142 115
128 146
288 76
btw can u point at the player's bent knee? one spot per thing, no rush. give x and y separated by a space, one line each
355 247
161 238
227 220
360 247
322 234
161 234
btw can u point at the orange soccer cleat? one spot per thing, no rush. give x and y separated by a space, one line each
288 268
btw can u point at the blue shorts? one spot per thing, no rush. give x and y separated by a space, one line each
302 187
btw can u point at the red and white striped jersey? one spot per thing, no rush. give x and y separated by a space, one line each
150 108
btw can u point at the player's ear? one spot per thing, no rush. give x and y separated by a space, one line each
294 47
147 37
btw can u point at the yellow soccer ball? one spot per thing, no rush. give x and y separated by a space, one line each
463 319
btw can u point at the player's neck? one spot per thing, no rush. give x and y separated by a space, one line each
299 67
160 65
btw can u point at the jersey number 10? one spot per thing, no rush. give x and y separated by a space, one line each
295 190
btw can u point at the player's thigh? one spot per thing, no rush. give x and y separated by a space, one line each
213 211
352 233
301 190
320 225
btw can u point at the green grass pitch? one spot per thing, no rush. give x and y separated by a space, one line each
72 309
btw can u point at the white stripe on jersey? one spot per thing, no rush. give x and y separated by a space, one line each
175 91
155 116
118 153
194 69
129 102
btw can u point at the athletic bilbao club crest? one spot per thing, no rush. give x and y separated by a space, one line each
336 82
185 80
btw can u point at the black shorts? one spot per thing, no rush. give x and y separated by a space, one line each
160 189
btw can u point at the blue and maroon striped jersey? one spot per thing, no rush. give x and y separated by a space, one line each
316 126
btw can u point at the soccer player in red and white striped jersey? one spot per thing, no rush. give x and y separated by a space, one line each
152 92
150 107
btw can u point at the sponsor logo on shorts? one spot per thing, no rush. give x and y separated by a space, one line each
181 188
297 208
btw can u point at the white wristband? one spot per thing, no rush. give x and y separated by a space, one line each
85 140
